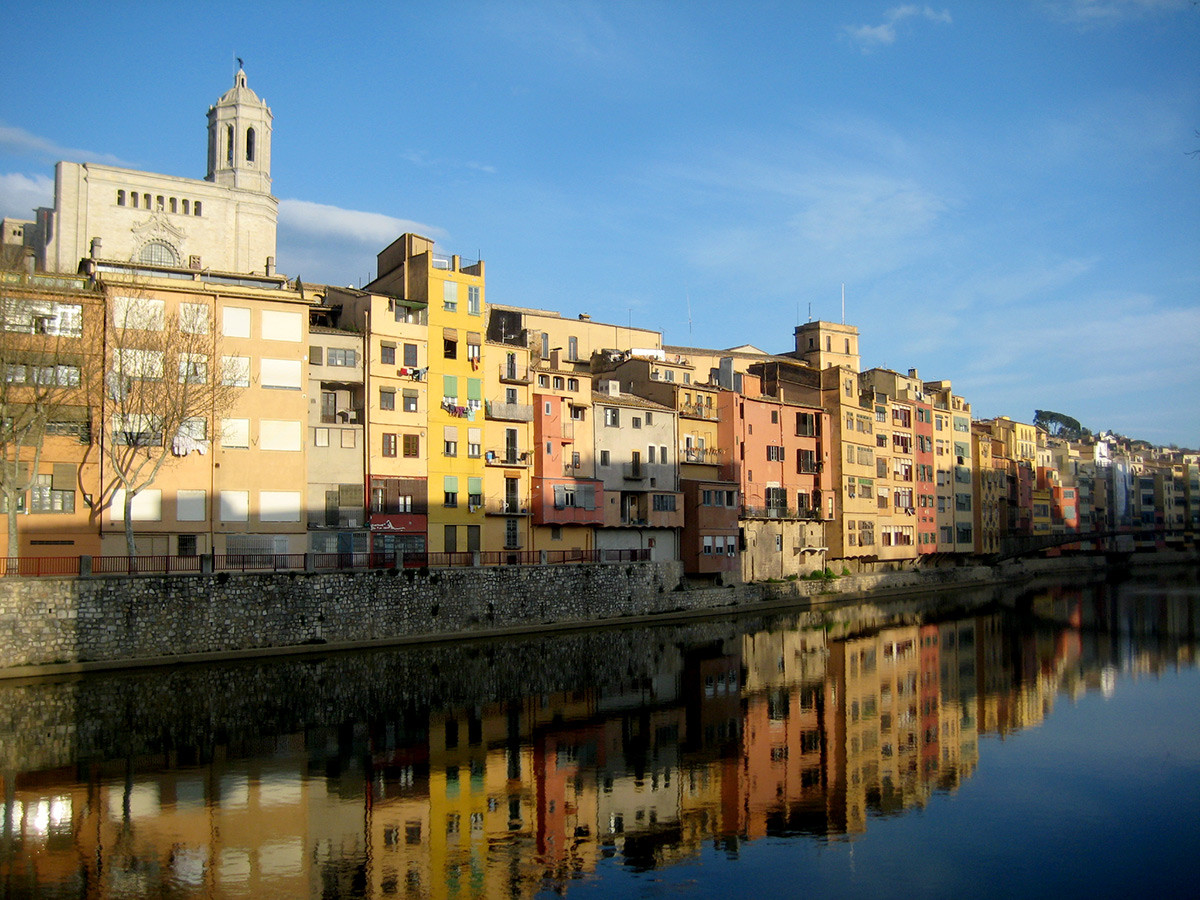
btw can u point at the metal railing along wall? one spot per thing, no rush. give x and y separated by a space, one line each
75 566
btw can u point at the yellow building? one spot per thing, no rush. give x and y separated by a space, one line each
452 292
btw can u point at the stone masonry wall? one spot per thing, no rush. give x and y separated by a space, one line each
78 620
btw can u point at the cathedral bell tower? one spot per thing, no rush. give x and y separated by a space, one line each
239 139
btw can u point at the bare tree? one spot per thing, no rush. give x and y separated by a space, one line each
165 388
44 351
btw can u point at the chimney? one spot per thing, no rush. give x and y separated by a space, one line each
270 265
912 373
96 245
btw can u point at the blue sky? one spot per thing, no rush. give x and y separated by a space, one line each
1003 187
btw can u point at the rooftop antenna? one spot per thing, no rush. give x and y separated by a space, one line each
810 310
688 295
843 303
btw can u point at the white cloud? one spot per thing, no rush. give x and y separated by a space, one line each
871 36
335 223
21 194
19 142
1098 12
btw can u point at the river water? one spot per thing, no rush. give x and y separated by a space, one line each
1037 742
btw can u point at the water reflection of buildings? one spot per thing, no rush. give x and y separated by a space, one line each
789 732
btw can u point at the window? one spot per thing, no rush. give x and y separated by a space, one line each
450 348
280 435
235 321
664 503
450 296
558 382
320 437
193 368
543 381
612 417
235 433
53 493
249 145
637 422
604 458
450 448
572 348
389 445
412 445
282 326
341 356
650 454
474 443
474 307
409 400
387 354
577 413
387 398
193 318
410 355
774 453
573 384
281 374
314 356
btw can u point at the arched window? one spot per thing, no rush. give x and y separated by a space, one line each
249 145
120 198
158 253
196 208
134 197
229 148
173 204
187 207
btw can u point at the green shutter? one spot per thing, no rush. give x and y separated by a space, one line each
474 389
451 484
449 385
474 485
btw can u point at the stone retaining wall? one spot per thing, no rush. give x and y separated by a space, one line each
45 621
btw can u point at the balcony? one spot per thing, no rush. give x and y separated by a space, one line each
515 374
507 457
508 412
509 507
780 512
810 467
698 411
634 471
709 455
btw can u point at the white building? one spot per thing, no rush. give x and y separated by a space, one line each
225 222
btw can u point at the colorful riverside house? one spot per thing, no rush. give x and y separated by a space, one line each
393 336
508 447
337 412
635 442
893 398
567 499
50 328
451 291
710 539
777 458
954 465
235 480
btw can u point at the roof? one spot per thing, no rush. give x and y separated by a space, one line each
624 399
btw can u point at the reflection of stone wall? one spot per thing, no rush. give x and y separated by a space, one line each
69 620
185 711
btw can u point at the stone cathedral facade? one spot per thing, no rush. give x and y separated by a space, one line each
225 222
